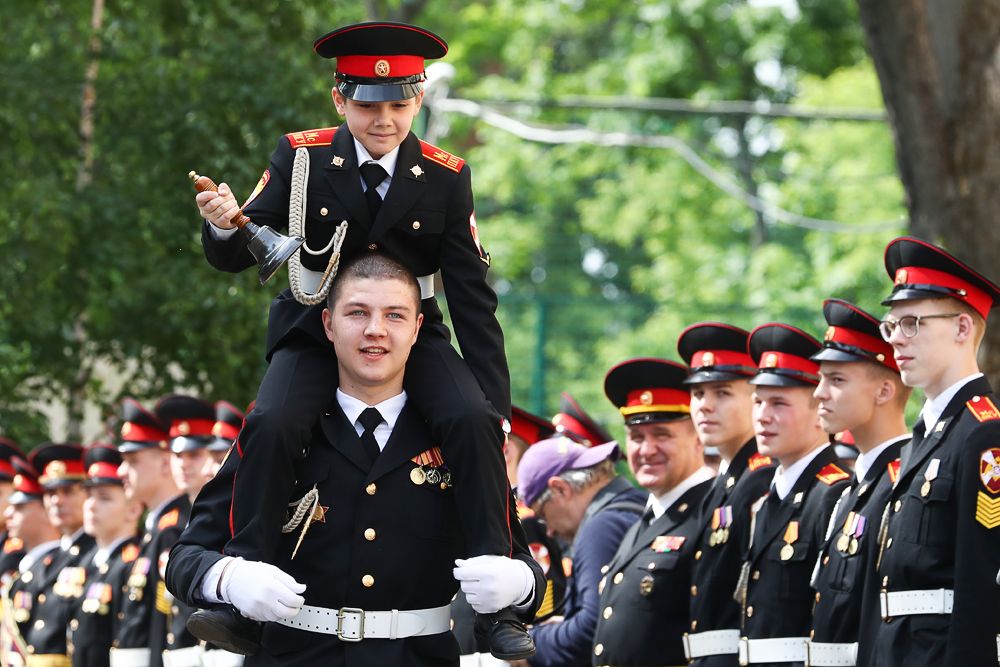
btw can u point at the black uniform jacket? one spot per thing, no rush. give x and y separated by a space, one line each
426 221
642 613
57 588
91 627
947 537
410 556
146 615
10 554
725 528
845 576
779 598
22 591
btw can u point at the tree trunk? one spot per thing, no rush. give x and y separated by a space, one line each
939 67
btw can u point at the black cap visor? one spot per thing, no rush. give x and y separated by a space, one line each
22 498
919 292
717 374
655 417
380 90
188 444
783 378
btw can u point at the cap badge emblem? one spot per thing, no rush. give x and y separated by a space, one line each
900 277
18 480
707 359
382 67
126 428
183 428
93 470
337 161
771 360
217 429
646 397
55 469
417 171
829 333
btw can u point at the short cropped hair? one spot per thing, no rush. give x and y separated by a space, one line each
372 266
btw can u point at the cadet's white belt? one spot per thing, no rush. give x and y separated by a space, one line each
311 280
481 660
779 649
908 603
216 657
183 657
351 624
713 642
820 654
130 657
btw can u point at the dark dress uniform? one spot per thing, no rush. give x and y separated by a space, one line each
94 618
11 554
940 551
717 352
22 592
371 517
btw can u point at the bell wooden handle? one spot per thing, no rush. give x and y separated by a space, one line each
206 184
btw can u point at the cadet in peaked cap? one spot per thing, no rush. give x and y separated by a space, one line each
642 622
111 518
940 551
789 523
722 411
8 450
189 421
862 400
228 422
140 429
58 584
574 422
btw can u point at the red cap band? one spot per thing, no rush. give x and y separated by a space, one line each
876 346
661 399
380 67
703 358
194 427
132 432
103 470
225 430
26 484
789 362
7 469
60 470
980 301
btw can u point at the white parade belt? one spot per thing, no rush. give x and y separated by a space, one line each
908 603
481 660
183 657
712 642
819 654
351 624
778 649
311 280
130 657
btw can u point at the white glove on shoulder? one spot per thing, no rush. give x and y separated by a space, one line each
261 591
491 583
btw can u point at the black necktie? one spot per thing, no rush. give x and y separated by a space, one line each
373 173
370 418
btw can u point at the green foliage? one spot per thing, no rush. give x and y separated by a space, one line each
605 252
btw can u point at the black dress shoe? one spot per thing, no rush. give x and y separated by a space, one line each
507 637
226 628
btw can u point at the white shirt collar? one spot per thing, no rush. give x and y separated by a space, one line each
32 556
785 478
932 409
662 503
865 461
388 161
389 409
102 555
66 541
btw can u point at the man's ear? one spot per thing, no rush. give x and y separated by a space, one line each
886 392
339 101
558 486
966 328
328 324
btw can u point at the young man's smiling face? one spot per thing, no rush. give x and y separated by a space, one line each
379 126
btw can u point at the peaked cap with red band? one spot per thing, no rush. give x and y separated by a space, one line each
26 487
8 450
921 270
782 354
228 422
715 352
380 61
101 463
141 429
58 464
530 428
649 390
574 422
191 421
853 335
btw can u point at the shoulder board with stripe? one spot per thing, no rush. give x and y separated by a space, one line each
169 519
758 460
12 544
983 409
322 136
893 470
130 553
443 158
831 474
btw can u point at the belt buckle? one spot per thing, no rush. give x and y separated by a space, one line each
808 662
341 615
744 651
687 647
885 604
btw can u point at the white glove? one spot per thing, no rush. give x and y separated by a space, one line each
261 591
491 583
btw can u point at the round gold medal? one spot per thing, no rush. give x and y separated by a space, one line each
787 552
417 476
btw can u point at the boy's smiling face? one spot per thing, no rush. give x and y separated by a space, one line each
379 126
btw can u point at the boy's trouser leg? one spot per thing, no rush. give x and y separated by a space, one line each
299 385
468 430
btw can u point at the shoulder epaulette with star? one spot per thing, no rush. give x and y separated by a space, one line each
831 474
758 460
893 470
169 519
130 553
982 408
12 544
322 136
443 158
